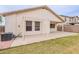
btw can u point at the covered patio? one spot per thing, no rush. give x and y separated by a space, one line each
53 26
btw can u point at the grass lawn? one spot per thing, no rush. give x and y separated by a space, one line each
68 44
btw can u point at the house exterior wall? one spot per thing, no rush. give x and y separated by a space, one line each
15 20
10 23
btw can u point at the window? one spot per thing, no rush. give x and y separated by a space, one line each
28 25
52 25
37 26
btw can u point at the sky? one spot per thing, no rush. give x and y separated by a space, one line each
69 10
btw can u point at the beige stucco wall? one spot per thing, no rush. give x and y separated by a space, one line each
42 15
10 23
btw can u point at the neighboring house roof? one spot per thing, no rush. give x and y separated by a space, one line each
67 16
31 9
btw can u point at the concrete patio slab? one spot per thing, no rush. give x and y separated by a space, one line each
41 37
